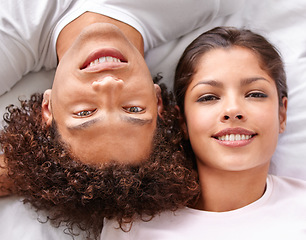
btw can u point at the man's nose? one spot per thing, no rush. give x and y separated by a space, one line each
108 89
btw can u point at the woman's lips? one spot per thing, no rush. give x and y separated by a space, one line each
234 137
104 59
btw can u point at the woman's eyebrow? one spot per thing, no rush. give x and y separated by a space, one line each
248 81
213 83
218 84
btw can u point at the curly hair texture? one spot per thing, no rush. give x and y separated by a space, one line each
79 195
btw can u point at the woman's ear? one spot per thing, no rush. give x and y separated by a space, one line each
46 107
183 124
283 115
160 106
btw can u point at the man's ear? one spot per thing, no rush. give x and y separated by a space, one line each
46 108
160 106
283 115
182 122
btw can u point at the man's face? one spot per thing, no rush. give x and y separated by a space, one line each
103 99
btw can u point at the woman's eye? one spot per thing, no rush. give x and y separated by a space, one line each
257 95
207 98
85 113
134 109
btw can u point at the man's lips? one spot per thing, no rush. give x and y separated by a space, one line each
105 52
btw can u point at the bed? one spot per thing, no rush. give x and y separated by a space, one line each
282 22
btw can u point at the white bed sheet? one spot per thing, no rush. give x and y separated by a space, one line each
21 222
282 22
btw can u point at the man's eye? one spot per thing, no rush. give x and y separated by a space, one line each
134 109
85 113
257 95
207 98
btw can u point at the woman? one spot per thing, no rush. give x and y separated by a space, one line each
231 90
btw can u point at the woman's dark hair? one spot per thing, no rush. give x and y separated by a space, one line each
227 37
70 192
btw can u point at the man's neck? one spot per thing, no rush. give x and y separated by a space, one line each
6 186
70 32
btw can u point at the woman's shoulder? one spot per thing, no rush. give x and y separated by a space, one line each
288 185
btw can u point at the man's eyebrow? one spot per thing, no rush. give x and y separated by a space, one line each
84 125
137 121
128 119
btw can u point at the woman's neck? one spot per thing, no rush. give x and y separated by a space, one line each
71 31
225 191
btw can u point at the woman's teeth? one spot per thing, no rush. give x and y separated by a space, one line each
234 137
103 60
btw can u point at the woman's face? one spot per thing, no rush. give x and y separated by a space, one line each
103 98
232 112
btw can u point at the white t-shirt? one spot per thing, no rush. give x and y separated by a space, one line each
279 214
29 29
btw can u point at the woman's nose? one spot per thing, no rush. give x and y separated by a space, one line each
238 117
233 111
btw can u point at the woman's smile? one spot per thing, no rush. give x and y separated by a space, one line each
234 137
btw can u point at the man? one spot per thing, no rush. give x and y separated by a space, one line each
46 34
105 111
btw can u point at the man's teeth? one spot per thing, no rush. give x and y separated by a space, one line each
104 59
234 137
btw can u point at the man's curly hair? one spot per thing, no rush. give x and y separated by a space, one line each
80 195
